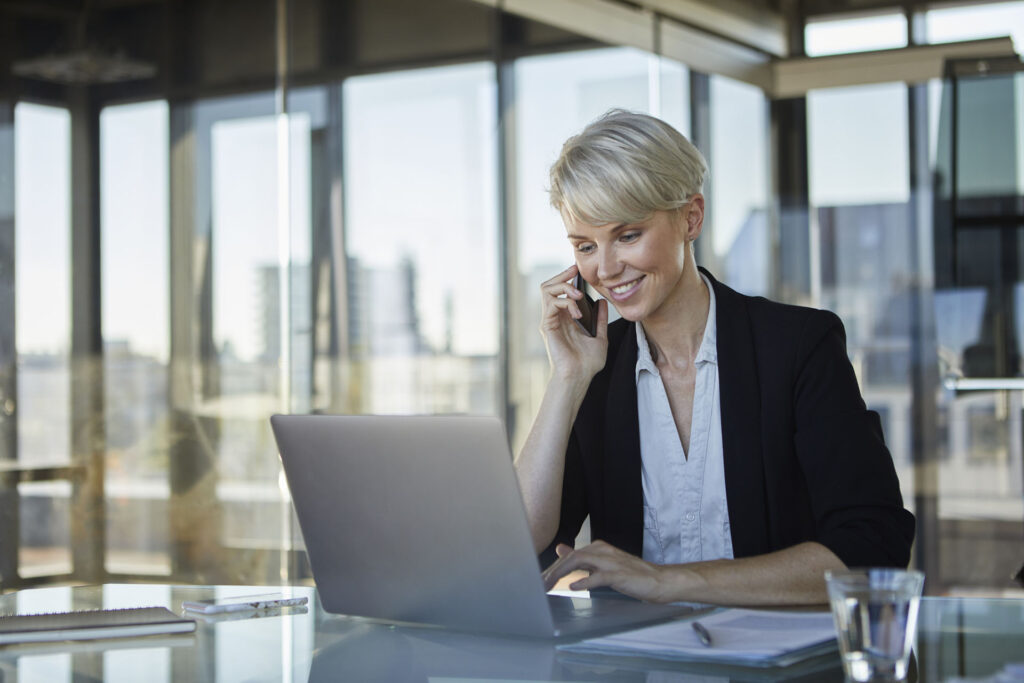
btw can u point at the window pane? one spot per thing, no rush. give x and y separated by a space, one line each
42 242
999 98
979 304
245 184
863 270
43 328
738 187
859 34
857 145
421 209
556 96
975 22
134 215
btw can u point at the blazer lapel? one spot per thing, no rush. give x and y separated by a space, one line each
624 497
741 423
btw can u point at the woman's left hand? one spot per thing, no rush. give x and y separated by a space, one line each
609 566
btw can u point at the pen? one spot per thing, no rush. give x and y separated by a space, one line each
702 633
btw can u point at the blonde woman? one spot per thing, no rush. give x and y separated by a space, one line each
718 442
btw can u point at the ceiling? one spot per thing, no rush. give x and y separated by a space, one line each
140 48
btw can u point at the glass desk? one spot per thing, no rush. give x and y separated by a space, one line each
957 637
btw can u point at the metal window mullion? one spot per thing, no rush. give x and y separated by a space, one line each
87 424
700 135
508 252
9 500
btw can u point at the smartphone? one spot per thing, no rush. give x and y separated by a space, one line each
243 603
588 307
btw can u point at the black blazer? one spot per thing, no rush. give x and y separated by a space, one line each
804 458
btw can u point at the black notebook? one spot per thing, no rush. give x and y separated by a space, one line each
87 625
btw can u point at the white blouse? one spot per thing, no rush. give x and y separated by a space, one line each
686 517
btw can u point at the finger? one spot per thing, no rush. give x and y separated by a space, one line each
561 277
563 566
594 580
562 549
554 572
567 305
558 289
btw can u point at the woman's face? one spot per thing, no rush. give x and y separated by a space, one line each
638 267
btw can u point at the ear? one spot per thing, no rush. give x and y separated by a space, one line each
693 214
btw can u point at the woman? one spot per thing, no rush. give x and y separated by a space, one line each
718 442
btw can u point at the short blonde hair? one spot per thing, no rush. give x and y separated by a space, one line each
623 167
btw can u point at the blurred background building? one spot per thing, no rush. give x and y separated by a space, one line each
214 210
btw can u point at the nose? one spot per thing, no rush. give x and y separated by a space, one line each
608 264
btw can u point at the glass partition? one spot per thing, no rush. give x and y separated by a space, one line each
42 211
738 224
556 96
422 241
136 318
834 36
862 244
977 164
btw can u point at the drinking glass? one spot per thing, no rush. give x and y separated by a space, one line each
875 613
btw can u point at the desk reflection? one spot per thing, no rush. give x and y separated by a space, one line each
348 650
958 638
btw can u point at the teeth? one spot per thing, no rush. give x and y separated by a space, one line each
624 288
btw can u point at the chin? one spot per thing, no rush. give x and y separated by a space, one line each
632 314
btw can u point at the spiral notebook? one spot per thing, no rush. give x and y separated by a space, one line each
92 624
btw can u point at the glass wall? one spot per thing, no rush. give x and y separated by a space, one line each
978 188
134 270
862 244
42 212
948 24
421 235
335 245
556 96
738 224
883 263
832 36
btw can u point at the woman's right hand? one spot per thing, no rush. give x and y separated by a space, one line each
574 355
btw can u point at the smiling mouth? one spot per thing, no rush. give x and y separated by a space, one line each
626 287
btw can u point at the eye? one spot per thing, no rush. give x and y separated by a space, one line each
585 248
631 236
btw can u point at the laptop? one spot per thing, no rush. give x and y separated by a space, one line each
419 519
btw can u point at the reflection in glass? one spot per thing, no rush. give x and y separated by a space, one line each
126 664
45 667
421 229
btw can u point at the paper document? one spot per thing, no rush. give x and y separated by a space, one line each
737 636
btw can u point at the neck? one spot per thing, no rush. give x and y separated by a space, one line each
675 332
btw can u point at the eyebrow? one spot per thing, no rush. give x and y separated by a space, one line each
614 228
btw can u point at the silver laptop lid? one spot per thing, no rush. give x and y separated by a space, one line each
414 519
